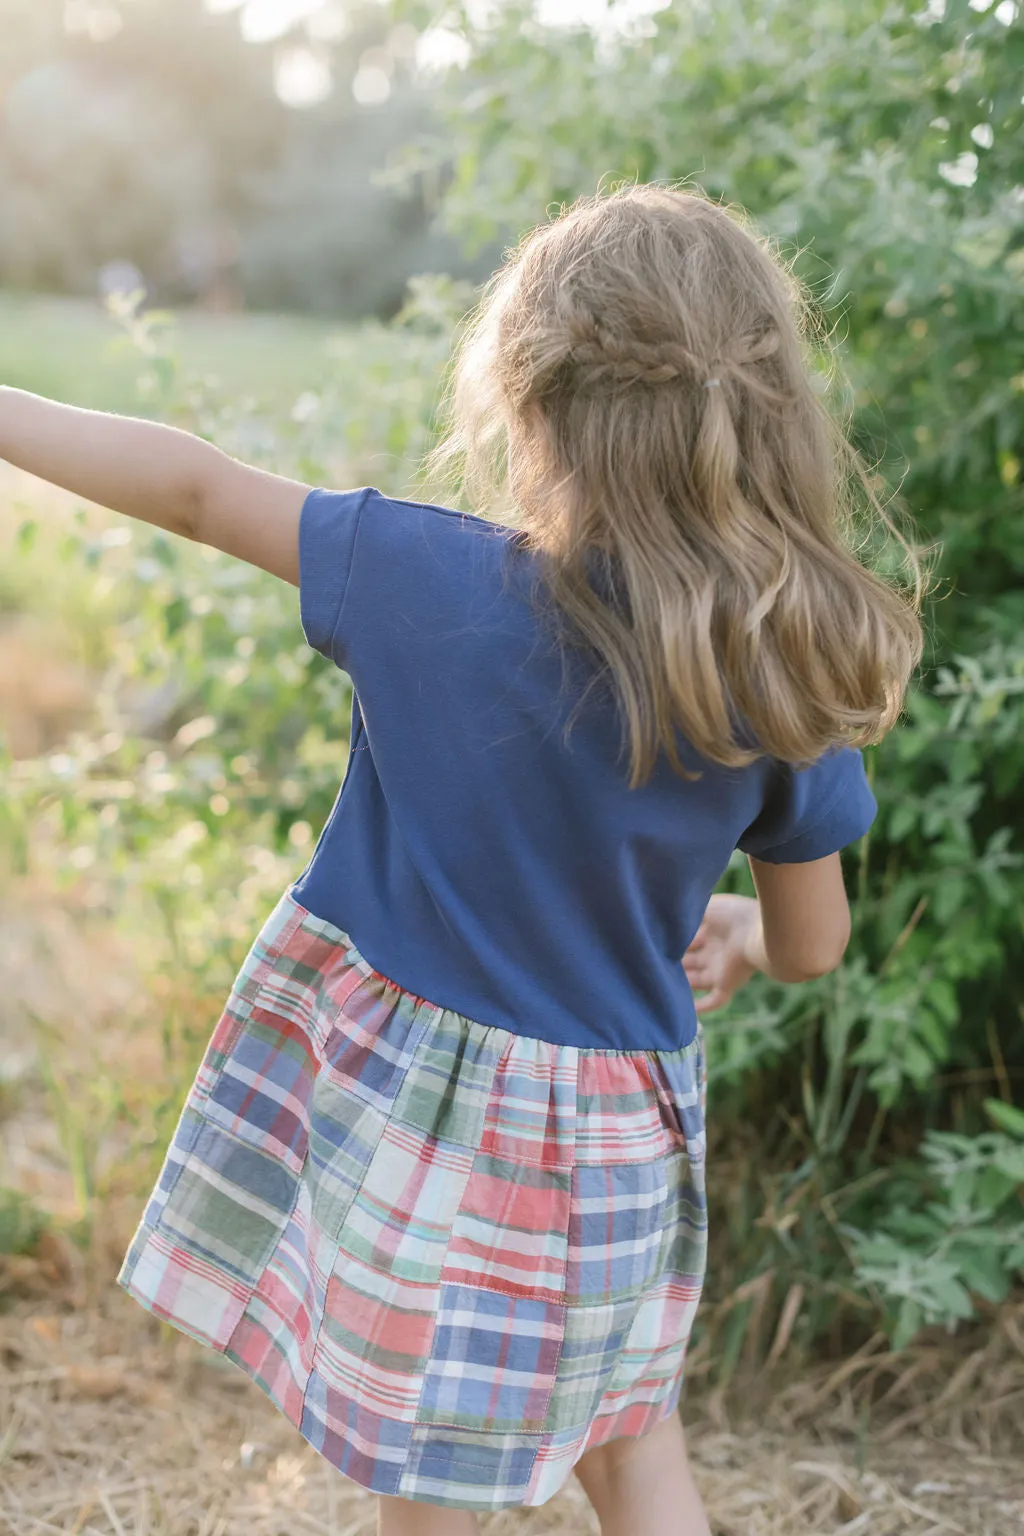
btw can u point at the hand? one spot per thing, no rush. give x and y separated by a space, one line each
726 951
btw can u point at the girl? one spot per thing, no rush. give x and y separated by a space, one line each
438 1187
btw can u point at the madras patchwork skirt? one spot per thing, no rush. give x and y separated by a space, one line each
455 1257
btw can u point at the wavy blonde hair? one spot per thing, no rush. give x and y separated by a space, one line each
637 377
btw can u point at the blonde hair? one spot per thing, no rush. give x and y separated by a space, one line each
637 377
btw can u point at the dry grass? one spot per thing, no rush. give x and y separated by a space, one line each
110 1426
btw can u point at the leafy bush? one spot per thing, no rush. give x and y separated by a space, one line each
879 145
966 1241
217 739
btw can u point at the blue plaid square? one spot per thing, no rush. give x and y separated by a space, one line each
462 1469
371 1448
617 1221
263 1090
372 1041
493 1361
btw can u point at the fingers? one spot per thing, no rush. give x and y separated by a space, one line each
701 977
698 975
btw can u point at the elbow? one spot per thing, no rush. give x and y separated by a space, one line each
199 489
188 513
811 970
819 960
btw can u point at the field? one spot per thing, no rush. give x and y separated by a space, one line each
173 750
72 350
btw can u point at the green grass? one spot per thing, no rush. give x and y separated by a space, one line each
70 349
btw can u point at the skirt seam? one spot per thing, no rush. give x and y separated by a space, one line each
335 1241
345 939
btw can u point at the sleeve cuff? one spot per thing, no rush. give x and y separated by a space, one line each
327 530
846 821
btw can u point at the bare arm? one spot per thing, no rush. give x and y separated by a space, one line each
805 917
798 928
158 474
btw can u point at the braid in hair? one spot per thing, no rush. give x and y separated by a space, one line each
598 359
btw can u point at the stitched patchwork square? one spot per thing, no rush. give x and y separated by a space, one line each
170 1280
651 1362
262 1092
593 1338
190 1125
493 1362
686 1233
447 1104
401 1218
376 1337
616 1230
376 1030
466 1470
260 964
231 1203
274 1339
510 1230
620 1118
680 1079
282 973
295 1257
557 1454
371 1448
344 1133
619 1416
531 1114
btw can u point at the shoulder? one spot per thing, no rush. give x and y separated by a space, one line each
413 547
430 520
371 565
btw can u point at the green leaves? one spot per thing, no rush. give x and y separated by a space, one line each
965 1240
882 145
1006 1117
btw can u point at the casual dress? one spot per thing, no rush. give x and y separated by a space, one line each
438 1187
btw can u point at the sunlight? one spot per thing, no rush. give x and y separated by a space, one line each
599 15
263 20
302 78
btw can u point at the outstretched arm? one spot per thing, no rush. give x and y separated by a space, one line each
159 474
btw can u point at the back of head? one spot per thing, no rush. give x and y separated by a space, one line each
638 374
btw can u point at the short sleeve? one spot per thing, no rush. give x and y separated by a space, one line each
812 812
328 524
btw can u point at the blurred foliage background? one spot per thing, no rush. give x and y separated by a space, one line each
236 151
366 165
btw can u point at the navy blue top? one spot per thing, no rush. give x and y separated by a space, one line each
476 854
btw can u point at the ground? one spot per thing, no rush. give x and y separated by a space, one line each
108 1427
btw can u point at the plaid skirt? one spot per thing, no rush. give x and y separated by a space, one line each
455 1257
